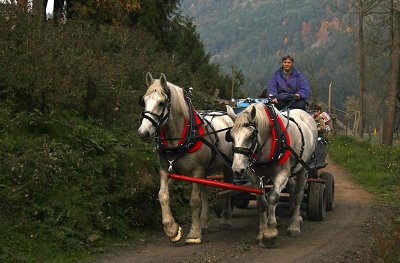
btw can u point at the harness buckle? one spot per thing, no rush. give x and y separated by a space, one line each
261 183
171 162
249 167
260 178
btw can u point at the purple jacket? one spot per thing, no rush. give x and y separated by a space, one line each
284 89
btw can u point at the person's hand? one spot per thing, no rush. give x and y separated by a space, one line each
297 96
275 100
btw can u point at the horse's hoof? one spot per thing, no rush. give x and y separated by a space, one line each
268 242
225 226
193 241
177 237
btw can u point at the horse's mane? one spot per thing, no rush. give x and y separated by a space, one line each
178 102
261 118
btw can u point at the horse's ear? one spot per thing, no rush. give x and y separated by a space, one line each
149 79
230 112
163 81
253 113
164 84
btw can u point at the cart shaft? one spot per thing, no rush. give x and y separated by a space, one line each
216 184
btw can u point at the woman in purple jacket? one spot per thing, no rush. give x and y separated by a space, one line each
288 86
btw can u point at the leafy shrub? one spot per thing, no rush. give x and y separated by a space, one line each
63 187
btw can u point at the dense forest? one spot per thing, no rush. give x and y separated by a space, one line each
253 35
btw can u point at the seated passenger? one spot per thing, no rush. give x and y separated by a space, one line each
288 87
320 121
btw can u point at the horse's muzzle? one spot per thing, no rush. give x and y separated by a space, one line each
239 173
144 135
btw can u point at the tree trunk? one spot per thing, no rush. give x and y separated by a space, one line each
388 124
362 65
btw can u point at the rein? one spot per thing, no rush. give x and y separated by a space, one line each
197 136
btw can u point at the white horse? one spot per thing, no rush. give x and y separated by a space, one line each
261 138
188 144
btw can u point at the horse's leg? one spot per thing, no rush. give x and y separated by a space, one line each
294 227
226 220
204 209
194 236
290 187
271 232
262 205
171 228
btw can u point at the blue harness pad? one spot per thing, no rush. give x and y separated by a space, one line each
242 104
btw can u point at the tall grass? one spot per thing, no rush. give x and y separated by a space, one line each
376 167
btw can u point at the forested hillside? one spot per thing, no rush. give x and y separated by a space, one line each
254 34
73 173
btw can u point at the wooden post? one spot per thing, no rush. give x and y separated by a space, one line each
357 119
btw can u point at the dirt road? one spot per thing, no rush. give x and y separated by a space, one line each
345 235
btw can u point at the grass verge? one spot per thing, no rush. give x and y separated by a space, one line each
377 168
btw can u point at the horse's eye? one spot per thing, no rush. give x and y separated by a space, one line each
161 104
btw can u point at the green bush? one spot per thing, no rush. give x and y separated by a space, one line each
64 187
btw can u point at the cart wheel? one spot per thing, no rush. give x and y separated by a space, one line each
316 202
242 200
329 190
219 206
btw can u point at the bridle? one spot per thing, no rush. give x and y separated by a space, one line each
157 119
249 152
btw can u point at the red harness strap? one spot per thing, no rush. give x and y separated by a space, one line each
286 155
197 145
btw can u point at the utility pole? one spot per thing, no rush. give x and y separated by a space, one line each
360 128
330 97
233 81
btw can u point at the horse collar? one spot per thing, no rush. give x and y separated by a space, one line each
280 139
189 142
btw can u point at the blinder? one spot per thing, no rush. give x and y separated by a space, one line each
228 136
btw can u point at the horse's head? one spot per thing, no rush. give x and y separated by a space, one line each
244 138
156 103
